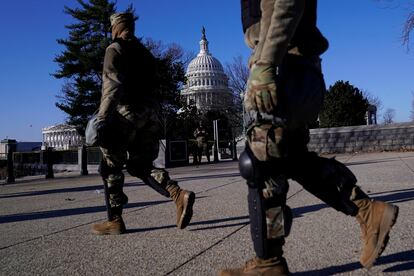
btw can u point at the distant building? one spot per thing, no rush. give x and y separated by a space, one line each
18 146
207 84
61 136
4 147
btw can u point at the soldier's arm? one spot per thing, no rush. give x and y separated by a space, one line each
277 27
113 82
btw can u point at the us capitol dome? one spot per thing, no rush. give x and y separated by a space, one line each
207 84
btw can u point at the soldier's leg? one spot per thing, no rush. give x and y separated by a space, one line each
199 154
327 179
160 181
113 178
270 217
142 152
332 182
110 170
206 152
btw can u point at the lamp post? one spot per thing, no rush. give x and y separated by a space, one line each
11 148
216 142
243 111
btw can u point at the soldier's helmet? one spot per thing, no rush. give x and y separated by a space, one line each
122 17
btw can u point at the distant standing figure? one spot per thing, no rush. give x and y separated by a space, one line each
202 147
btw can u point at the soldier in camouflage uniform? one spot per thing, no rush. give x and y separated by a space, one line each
201 139
284 95
128 127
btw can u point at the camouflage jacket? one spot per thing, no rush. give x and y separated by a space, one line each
201 135
281 26
128 79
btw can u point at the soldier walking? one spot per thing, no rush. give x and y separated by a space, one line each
127 126
284 95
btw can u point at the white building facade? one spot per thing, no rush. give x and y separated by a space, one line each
207 84
61 137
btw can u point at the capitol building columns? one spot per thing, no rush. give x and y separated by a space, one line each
61 137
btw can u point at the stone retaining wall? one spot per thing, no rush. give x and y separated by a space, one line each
392 137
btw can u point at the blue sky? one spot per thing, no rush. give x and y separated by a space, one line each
364 35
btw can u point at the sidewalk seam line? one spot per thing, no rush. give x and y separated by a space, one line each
205 250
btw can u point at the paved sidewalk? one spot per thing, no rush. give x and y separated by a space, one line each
45 225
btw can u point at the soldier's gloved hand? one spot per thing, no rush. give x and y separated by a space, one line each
261 89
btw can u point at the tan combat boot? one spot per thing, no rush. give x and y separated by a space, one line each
276 266
184 201
376 219
112 227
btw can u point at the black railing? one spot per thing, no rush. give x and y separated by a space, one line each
19 164
69 157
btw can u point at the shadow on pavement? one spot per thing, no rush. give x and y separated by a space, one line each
54 191
222 226
331 270
42 179
189 178
215 221
299 211
206 222
70 212
406 257
149 229
396 196
100 187
66 190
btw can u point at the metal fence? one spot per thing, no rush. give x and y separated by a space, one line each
65 157
94 155
3 169
41 162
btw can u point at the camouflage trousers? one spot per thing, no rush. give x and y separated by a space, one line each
202 148
136 149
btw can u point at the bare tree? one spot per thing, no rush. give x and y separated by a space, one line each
238 73
170 78
408 27
388 117
409 22
373 100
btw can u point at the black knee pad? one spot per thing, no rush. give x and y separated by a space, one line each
247 166
258 228
262 175
270 222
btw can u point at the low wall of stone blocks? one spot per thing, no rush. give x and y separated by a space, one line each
391 137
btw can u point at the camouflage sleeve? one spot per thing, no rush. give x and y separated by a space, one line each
277 27
112 82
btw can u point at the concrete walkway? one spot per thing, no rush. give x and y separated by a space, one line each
45 225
